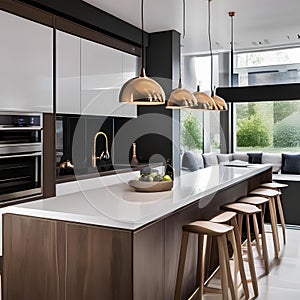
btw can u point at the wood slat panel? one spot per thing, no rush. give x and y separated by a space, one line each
49 158
30 263
149 262
99 264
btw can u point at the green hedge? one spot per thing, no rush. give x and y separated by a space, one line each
287 132
252 132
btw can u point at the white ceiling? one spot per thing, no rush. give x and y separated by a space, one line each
273 23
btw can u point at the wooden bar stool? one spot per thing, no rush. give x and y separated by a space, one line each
270 194
278 186
246 210
260 202
206 229
229 218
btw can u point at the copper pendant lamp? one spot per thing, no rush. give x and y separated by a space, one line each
204 101
220 102
181 98
142 90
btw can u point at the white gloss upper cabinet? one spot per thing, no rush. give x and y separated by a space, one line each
101 79
129 71
67 73
26 65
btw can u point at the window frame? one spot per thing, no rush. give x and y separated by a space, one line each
259 93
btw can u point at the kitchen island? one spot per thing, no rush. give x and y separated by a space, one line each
110 242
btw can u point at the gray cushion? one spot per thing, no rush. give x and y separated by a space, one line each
274 159
189 162
240 156
199 158
210 159
290 163
224 157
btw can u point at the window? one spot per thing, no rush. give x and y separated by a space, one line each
212 132
191 130
200 130
272 126
267 67
268 58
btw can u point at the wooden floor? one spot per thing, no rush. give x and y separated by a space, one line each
283 281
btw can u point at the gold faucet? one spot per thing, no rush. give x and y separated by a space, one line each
104 154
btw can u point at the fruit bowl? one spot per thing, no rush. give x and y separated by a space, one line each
154 186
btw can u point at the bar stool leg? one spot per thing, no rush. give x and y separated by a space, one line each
263 239
256 232
182 255
202 243
233 291
231 239
239 256
281 215
222 262
238 264
273 217
251 259
240 225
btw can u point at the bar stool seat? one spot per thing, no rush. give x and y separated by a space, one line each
278 186
270 194
229 217
260 202
242 208
247 210
205 229
224 217
254 200
273 185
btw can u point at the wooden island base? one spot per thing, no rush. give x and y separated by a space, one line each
54 260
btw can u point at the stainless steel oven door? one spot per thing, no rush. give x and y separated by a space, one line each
20 135
20 175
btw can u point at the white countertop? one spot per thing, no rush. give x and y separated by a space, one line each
114 204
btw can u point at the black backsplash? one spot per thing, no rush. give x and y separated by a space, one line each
151 131
78 138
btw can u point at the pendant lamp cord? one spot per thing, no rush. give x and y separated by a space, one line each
231 53
142 21
183 36
231 15
210 50
183 19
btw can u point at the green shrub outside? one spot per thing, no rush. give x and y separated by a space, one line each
252 132
287 131
191 133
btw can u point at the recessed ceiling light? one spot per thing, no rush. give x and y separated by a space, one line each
263 42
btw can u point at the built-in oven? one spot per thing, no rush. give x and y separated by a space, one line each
21 137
